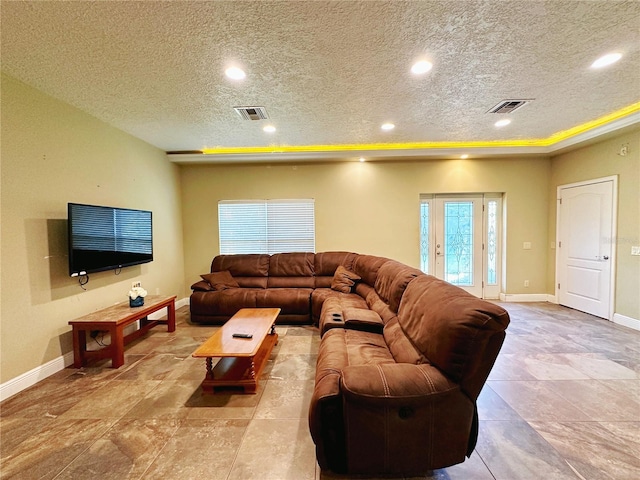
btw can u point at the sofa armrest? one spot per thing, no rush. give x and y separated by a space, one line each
356 317
403 418
384 383
325 421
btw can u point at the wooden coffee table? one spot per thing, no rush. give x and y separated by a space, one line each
241 359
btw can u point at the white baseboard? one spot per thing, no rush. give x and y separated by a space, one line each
626 321
30 378
525 297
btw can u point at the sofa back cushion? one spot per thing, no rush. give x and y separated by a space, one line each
457 332
291 270
249 270
392 280
326 263
400 346
367 267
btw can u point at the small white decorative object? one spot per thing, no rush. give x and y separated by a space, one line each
136 296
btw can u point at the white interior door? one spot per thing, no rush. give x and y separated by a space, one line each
458 242
585 247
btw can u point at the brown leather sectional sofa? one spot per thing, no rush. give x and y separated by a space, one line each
402 359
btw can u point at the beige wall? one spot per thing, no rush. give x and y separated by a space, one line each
602 160
53 154
374 207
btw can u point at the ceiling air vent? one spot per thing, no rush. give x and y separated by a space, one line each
508 106
252 113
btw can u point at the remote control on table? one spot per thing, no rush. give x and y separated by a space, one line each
242 335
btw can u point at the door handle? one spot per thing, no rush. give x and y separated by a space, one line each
605 257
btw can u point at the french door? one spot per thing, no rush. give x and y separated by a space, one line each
460 241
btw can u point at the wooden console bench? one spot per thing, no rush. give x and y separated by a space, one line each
114 319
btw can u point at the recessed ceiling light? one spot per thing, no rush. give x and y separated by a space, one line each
269 128
606 60
388 126
502 123
464 156
421 67
362 159
235 73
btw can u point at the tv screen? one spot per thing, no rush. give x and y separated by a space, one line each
107 238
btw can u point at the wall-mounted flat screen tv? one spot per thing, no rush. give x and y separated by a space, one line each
107 238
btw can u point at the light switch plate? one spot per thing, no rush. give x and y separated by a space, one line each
635 250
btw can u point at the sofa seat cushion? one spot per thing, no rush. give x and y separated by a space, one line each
223 302
341 348
289 300
362 348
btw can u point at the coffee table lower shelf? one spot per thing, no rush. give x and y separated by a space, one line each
236 372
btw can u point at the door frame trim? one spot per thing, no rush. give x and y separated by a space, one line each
614 230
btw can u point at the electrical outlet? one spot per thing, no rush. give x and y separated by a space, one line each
526 246
136 284
526 283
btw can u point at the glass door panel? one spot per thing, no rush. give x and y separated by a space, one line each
458 242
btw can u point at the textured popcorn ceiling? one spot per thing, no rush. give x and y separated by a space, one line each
327 72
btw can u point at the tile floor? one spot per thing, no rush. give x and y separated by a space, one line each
562 402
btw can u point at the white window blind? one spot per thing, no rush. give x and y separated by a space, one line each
266 226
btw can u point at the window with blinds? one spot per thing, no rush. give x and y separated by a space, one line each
266 226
